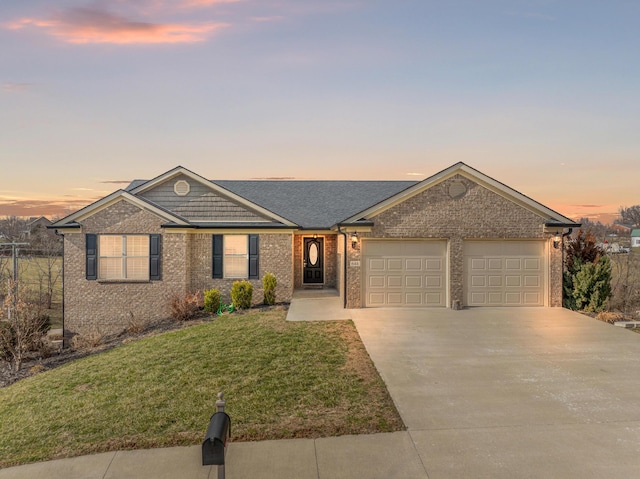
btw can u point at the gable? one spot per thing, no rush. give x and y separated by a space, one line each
461 173
219 201
479 212
199 203
122 217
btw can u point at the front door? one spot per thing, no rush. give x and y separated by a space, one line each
313 270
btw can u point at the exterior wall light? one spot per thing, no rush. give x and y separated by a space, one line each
557 240
354 240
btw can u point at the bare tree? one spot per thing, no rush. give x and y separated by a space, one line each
13 228
22 326
46 246
625 285
630 215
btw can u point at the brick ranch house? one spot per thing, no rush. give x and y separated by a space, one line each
457 238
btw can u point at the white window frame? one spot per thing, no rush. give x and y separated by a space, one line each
228 258
124 258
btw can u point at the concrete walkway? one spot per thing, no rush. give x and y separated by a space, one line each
373 456
493 393
317 305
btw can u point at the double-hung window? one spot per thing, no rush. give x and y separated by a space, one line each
235 256
123 257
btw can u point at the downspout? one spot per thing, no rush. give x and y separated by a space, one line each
344 278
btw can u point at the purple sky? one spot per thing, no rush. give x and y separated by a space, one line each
542 95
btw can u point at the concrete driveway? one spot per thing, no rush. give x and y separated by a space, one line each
511 392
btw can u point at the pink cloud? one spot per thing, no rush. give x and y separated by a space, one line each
206 3
86 25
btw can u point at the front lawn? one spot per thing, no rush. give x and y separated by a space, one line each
281 380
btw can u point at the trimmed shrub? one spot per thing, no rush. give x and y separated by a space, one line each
241 294
212 300
269 284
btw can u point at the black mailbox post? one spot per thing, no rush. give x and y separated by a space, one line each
215 441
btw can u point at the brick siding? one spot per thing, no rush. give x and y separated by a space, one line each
479 214
108 307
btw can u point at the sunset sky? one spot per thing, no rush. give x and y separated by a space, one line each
542 95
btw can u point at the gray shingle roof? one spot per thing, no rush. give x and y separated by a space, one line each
311 204
315 204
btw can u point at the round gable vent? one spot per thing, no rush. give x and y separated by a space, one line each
181 188
457 189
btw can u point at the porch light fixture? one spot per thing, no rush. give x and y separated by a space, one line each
354 240
557 240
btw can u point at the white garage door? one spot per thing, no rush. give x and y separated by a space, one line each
404 273
504 273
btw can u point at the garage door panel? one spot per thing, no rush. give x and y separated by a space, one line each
394 299
479 298
434 299
414 273
532 281
478 264
394 264
532 264
532 299
504 273
413 264
413 299
513 263
376 299
434 264
394 281
513 281
513 299
376 264
494 263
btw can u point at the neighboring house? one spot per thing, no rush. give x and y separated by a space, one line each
620 229
635 238
35 223
458 238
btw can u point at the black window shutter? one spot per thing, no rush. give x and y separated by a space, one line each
92 256
217 256
253 257
155 271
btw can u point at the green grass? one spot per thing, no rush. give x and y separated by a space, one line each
281 380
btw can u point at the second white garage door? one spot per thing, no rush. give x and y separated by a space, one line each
504 273
404 273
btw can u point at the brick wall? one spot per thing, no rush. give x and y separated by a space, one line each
479 214
276 251
107 307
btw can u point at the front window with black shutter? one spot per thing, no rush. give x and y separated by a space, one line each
235 256
123 257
